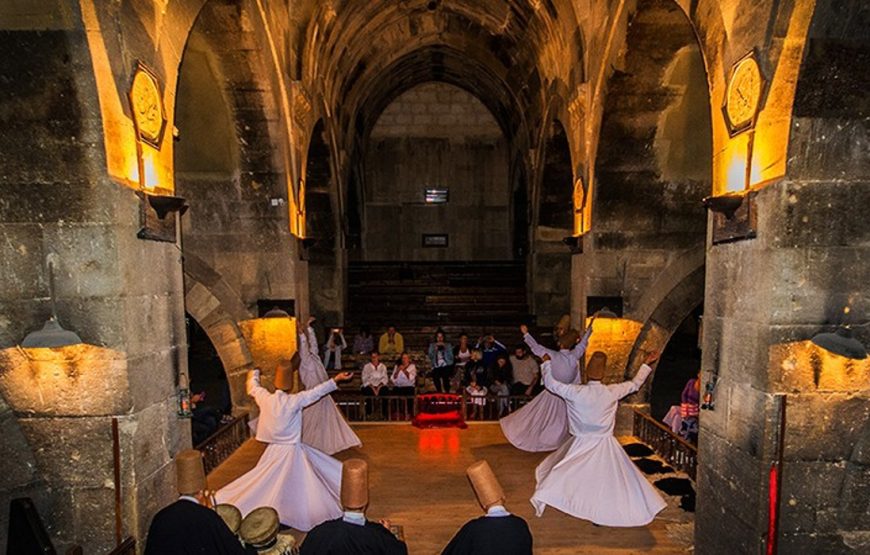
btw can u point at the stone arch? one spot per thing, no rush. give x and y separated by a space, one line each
677 292
323 228
553 220
216 307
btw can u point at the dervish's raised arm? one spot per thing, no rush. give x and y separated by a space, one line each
634 384
536 348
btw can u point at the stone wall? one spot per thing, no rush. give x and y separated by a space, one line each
652 171
122 295
805 273
433 136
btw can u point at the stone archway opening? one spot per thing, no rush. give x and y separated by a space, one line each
550 261
680 362
652 170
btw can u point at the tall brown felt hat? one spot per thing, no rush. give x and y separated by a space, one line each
564 323
284 372
260 527
485 484
231 516
354 484
596 366
568 339
189 472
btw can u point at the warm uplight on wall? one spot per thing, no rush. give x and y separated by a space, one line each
270 338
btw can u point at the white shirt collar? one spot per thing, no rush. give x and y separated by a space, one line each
354 517
190 498
497 510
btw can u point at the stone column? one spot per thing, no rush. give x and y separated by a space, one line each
806 270
122 295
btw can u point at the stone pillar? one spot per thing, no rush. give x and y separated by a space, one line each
122 295
765 298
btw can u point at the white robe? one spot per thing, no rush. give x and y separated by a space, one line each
323 425
590 476
542 424
300 482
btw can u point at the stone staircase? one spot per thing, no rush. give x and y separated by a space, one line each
419 298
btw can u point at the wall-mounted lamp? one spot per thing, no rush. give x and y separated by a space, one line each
606 313
52 333
726 204
574 243
166 204
276 312
842 343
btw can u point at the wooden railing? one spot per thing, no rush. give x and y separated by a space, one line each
221 444
395 408
676 451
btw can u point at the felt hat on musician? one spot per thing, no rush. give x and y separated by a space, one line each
284 372
568 339
260 528
596 366
189 472
489 492
231 515
354 485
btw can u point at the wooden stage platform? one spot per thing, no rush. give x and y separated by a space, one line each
417 480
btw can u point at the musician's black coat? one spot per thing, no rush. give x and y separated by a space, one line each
187 528
492 535
337 537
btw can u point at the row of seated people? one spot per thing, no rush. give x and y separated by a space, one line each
195 524
500 374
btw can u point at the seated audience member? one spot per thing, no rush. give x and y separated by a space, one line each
353 533
260 530
441 359
690 409
477 394
334 346
491 349
188 525
461 356
475 369
526 372
496 533
391 343
374 379
205 421
499 383
363 342
404 376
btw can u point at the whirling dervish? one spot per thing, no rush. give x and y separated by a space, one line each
323 426
299 481
590 476
542 424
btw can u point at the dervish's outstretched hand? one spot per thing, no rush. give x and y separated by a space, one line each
343 377
651 358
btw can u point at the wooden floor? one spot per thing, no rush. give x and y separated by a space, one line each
417 480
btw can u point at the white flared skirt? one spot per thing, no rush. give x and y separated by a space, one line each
300 482
541 425
325 429
592 478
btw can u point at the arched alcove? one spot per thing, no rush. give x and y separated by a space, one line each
325 262
550 264
436 137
